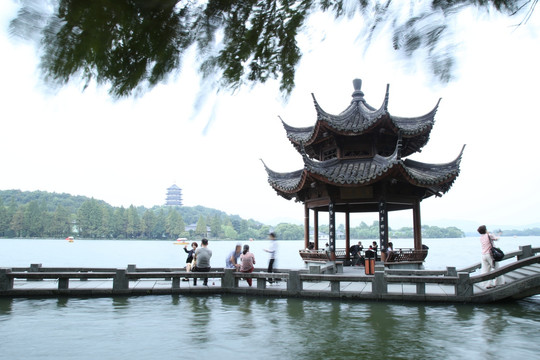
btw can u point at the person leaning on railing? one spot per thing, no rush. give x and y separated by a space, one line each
356 251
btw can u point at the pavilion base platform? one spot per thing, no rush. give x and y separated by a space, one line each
405 265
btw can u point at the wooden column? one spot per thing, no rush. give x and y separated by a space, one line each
332 230
417 226
316 228
347 236
306 227
383 228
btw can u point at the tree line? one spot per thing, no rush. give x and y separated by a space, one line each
41 214
364 231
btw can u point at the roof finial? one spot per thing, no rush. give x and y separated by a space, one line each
357 95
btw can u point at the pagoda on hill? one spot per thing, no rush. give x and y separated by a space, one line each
174 196
355 162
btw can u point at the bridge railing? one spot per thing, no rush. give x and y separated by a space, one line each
505 269
523 252
121 277
462 281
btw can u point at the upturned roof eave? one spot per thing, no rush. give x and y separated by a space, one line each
414 126
436 177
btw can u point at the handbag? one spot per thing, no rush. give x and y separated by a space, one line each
496 253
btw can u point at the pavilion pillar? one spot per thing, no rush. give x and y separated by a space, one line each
347 235
316 228
306 226
417 226
332 231
383 228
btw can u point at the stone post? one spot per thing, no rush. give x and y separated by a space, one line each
34 268
334 287
121 281
63 283
526 251
463 287
228 279
6 283
176 282
451 271
261 283
294 285
379 285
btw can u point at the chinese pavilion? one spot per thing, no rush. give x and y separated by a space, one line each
356 162
174 196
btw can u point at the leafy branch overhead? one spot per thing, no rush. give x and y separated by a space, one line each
132 45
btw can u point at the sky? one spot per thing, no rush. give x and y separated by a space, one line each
129 151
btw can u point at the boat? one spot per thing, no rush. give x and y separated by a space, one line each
70 239
181 241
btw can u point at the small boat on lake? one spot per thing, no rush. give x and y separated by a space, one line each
181 241
70 239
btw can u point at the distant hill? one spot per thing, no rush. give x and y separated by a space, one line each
470 227
71 202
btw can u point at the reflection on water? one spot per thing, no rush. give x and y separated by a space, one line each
5 308
62 302
180 326
120 303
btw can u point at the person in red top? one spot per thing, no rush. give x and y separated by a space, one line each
486 242
247 262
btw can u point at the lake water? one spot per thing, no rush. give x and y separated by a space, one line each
226 327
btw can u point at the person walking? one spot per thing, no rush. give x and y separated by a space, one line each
272 250
202 261
488 264
390 252
247 263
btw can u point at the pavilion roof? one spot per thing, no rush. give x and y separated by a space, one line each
360 118
438 178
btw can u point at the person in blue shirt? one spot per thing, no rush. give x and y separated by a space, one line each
231 262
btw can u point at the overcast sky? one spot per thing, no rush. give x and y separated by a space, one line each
129 151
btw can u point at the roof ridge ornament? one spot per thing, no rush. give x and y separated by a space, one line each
358 94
